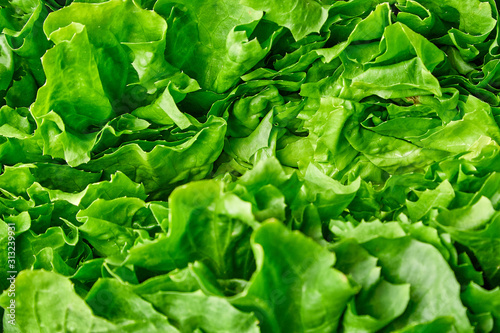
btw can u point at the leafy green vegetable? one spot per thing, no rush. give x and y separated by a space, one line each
250 166
294 287
38 291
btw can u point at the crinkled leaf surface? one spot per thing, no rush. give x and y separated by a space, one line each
250 166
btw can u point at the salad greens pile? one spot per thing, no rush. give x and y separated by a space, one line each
250 166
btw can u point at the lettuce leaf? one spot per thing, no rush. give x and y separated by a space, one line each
249 166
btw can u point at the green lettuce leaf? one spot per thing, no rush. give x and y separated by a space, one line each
294 287
37 291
